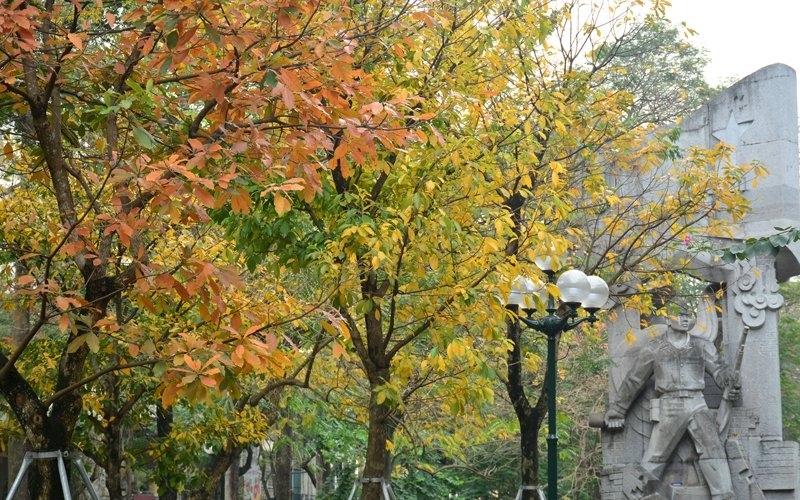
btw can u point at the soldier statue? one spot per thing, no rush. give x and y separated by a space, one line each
677 362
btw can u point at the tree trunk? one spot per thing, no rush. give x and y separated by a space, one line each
215 472
529 457
43 432
282 479
232 479
382 424
44 480
164 420
49 427
113 462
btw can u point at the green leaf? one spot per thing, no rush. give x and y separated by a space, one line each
166 65
143 138
172 40
270 79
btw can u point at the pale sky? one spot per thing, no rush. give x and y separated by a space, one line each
742 36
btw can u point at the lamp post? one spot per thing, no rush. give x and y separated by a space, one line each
576 291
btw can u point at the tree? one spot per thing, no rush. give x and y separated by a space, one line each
509 147
373 227
125 121
660 69
576 175
790 371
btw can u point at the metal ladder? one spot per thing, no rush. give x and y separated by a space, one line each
30 456
386 487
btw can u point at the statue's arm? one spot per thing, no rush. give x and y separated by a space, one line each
715 365
632 384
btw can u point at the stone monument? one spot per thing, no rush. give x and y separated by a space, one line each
757 116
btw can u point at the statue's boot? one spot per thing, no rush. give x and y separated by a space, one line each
718 477
647 485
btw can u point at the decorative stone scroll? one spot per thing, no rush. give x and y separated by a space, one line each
756 294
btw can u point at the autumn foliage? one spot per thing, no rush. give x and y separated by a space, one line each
202 196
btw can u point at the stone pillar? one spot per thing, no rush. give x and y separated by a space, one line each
754 302
758 117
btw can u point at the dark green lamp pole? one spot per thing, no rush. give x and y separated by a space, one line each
576 290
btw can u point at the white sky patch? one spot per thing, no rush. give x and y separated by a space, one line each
742 36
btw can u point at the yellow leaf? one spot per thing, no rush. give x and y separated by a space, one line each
92 341
76 343
456 348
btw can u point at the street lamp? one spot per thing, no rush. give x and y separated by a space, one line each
576 290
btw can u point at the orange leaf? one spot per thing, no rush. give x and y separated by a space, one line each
229 277
339 350
240 202
192 363
252 359
196 144
25 279
204 196
341 70
182 292
165 280
63 303
64 323
272 341
169 394
237 356
133 350
76 40
148 304
282 204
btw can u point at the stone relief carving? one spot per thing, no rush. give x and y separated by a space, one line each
757 115
756 292
676 358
